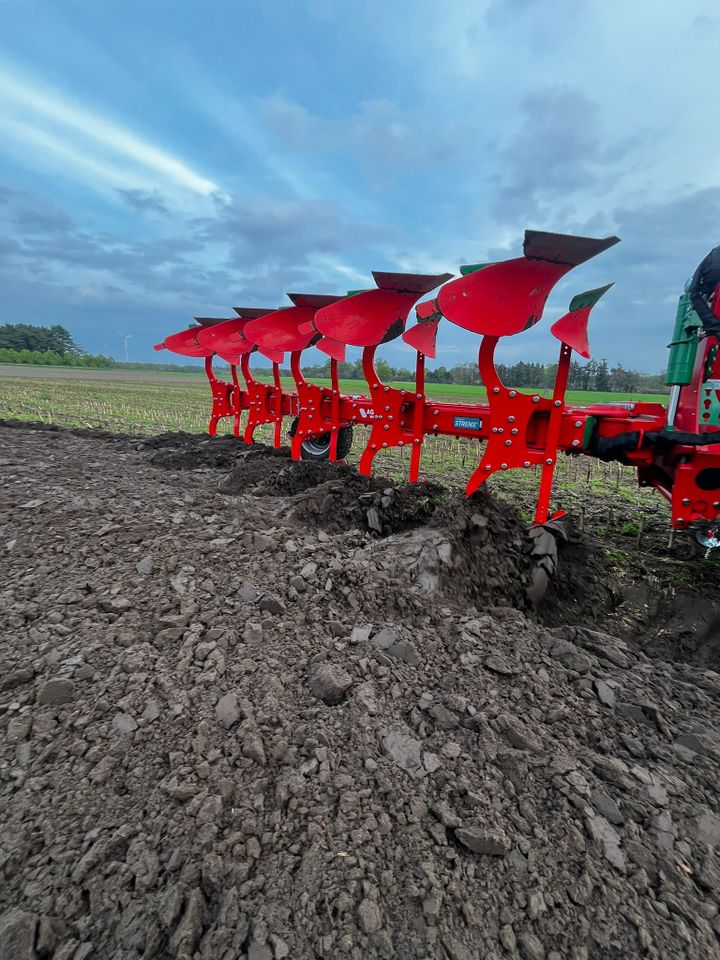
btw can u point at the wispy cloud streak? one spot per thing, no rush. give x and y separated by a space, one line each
73 133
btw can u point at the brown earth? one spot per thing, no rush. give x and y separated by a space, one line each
256 709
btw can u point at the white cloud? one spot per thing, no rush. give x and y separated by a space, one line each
51 147
230 115
89 143
344 270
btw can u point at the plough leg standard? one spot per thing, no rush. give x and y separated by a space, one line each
674 448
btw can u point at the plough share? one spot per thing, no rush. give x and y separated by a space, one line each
674 447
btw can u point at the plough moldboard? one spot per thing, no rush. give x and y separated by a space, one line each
672 447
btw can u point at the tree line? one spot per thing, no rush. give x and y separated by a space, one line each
49 346
88 360
24 336
50 358
595 375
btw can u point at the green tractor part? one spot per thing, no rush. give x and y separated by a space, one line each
683 349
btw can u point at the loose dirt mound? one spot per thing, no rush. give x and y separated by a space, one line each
471 553
582 589
677 623
230 734
189 451
366 503
473 549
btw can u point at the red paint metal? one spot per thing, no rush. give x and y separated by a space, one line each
274 356
185 343
290 328
502 299
423 337
227 339
333 348
223 397
265 402
517 429
365 319
572 330
281 330
368 318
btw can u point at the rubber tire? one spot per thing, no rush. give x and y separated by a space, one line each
318 448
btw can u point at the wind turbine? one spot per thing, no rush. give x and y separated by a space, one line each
126 337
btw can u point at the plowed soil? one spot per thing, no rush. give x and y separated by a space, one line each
257 709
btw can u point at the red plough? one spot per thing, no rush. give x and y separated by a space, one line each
674 448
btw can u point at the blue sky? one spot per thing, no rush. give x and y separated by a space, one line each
169 158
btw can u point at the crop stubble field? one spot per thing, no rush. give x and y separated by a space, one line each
150 402
603 497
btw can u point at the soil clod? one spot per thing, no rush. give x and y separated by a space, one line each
251 708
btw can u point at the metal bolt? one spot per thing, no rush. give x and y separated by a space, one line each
536 399
511 419
716 505
500 430
416 441
494 429
681 522
387 407
389 418
513 393
558 403
419 396
403 392
508 443
435 426
496 389
514 431
372 446
527 463
503 466
576 443
435 413
686 502
384 444
549 461
400 443
375 386
578 423
487 469
386 389
386 427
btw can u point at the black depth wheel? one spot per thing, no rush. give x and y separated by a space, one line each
318 448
